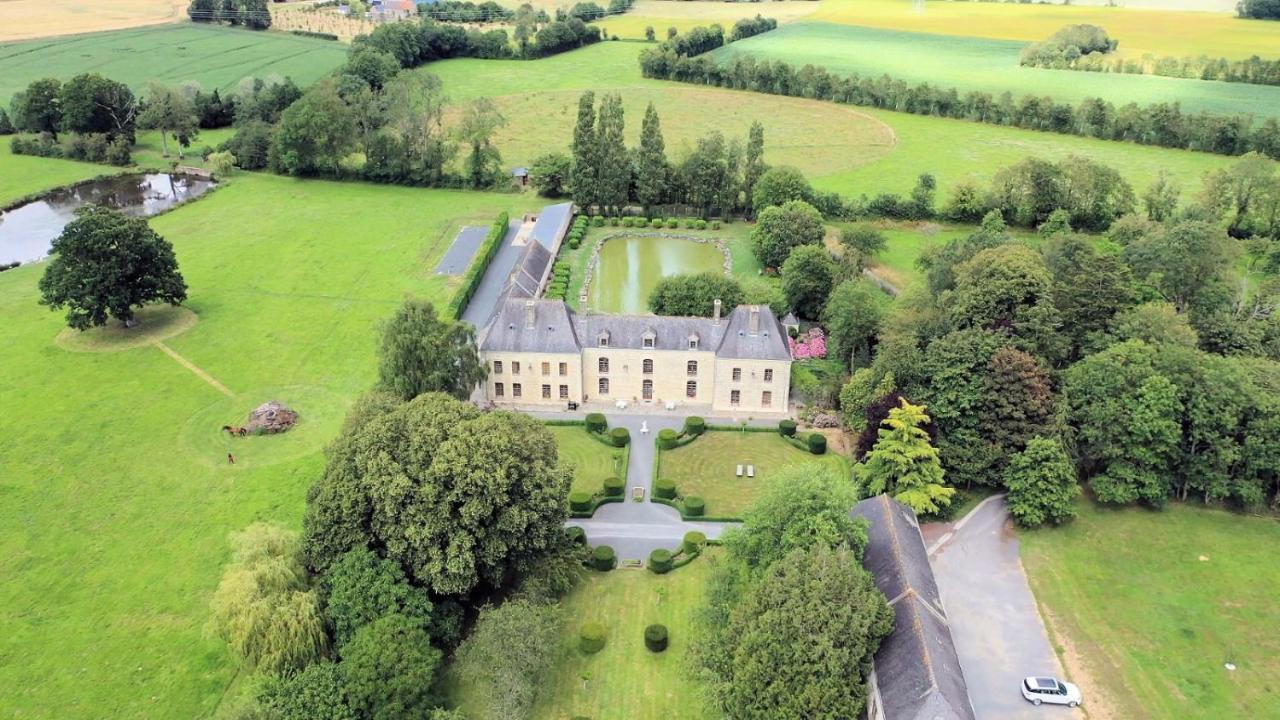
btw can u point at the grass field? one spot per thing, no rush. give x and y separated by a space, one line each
592 461
1162 32
20 19
684 16
625 681
214 57
115 494
953 150
987 65
23 175
707 467
1148 606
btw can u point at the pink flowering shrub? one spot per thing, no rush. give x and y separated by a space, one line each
811 344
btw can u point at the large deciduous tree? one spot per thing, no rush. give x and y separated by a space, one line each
508 655
1042 484
904 464
172 112
422 352
852 317
651 162
389 669
783 227
807 277
38 108
549 174
586 154
778 186
695 295
315 133
613 172
1008 290
362 587
457 497
105 264
91 103
1185 262
753 166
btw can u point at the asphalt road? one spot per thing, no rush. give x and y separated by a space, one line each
998 632
483 302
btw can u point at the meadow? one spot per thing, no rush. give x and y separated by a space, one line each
214 57
1146 607
117 497
683 16
858 162
624 681
987 65
24 175
21 19
1161 32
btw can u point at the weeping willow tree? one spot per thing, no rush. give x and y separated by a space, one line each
264 607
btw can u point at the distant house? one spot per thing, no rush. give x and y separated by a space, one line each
916 673
392 9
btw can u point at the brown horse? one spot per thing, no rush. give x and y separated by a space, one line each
235 430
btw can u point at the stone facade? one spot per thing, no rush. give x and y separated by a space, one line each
541 353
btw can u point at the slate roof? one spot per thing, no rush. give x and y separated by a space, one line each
917 670
526 275
552 328
552 224
728 338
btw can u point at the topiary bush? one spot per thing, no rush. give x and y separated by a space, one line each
715 224
817 443
694 425
691 223
596 423
580 501
620 436
655 637
660 561
694 506
655 223
693 541
591 638
701 224
672 223
598 221
667 438
787 427
614 222
575 243
614 487
603 558
664 488
628 221
576 535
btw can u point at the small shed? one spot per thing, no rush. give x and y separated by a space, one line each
791 322
521 176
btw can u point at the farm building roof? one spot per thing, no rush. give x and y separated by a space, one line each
552 224
917 674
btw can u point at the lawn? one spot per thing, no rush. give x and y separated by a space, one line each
214 57
1162 32
1147 607
592 461
908 240
953 150
23 175
117 497
625 681
21 19
707 467
985 65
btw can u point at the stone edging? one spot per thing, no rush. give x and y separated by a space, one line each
595 253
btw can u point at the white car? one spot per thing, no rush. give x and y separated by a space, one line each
1051 690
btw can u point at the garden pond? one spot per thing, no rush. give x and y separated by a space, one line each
628 268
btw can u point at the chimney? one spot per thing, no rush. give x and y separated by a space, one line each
716 313
754 327
530 320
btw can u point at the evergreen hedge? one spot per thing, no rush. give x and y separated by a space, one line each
667 438
579 501
576 535
485 254
591 638
596 423
694 506
694 425
787 427
614 487
817 443
620 437
665 489
655 637
660 561
603 558
693 541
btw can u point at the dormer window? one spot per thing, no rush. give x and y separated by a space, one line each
693 342
602 340
648 338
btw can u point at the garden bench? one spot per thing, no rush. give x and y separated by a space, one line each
751 471
739 471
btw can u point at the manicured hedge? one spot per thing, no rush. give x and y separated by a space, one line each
310 34
591 638
596 423
660 561
694 506
614 487
693 541
620 437
667 438
817 443
577 535
603 558
694 425
655 637
579 501
485 254
664 488
598 221
787 427
655 223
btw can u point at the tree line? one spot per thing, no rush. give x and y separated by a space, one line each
1259 9
1162 124
253 14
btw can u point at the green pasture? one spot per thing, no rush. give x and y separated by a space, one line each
841 152
23 175
707 467
1155 603
214 57
116 496
592 461
979 64
625 681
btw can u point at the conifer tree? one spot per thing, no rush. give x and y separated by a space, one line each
904 464
651 162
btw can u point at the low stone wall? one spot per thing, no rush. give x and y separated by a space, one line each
595 253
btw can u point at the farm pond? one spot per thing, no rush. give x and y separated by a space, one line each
28 231
628 269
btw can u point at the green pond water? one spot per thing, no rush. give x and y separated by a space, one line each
629 267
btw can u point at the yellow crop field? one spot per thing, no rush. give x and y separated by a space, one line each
23 19
1160 32
683 15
